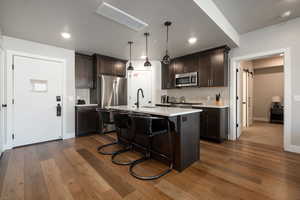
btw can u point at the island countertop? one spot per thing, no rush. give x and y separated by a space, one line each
156 110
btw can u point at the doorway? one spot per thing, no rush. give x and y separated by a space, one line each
140 79
37 100
261 89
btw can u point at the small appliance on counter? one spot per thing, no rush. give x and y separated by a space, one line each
164 99
276 111
80 102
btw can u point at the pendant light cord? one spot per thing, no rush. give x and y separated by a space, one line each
167 39
147 45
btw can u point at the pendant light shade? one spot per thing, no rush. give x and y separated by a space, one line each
130 67
147 63
166 59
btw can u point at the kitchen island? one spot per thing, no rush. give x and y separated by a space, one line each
185 130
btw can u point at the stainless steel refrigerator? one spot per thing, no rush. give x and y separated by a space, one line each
112 91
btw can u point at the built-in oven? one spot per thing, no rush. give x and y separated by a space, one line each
186 80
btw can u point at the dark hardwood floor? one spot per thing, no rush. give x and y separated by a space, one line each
72 169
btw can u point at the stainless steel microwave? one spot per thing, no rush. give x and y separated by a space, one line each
186 80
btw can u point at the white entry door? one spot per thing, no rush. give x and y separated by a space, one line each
37 89
140 79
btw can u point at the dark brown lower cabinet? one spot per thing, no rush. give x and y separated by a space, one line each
87 120
214 124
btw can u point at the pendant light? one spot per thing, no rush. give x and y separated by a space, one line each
130 67
147 63
166 59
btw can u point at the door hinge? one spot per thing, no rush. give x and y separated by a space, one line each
13 136
13 101
237 98
13 67
237 125
237 70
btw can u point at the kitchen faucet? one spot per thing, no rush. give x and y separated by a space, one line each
138 97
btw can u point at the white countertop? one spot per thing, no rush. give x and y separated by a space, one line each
199 106
156 110
86 105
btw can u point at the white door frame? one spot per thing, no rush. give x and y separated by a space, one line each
287 95
3 110
137 69
9 93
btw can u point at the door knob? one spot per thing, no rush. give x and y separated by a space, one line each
4 105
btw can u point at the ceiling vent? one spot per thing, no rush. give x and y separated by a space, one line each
120 16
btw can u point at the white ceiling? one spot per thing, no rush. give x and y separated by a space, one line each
249 15
44 20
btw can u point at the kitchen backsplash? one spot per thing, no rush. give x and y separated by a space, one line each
83 94
200 94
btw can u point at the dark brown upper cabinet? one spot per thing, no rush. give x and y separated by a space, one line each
84 71
109 66
211 65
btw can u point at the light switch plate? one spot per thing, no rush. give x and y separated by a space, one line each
297 98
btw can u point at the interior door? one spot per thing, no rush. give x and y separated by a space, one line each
37 100
245 100
140 79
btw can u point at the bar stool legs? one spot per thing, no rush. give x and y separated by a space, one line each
148 156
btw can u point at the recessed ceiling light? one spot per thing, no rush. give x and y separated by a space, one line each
286 14
192 40
143 57
66 35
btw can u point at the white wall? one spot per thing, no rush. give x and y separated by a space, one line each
1 93
156 77
272 79
285 35
39 49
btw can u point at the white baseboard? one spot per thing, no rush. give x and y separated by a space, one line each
262 119
6 147
293 149
68 136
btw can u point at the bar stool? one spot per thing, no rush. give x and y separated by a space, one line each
151 127
106 118
123 121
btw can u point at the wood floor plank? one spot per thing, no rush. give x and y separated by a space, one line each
56 188
3 168
87 173
115 181
77 186
173 191
14 179
73 169
35 186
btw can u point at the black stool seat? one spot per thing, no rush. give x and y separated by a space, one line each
151 127
105 118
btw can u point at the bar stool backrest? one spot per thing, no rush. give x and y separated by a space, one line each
106 116
147 125
122 120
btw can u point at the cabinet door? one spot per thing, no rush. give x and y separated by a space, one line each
120 68
213 123
106 65
87 121
83 71
204 70
164 76
190 64
171 75
219 69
